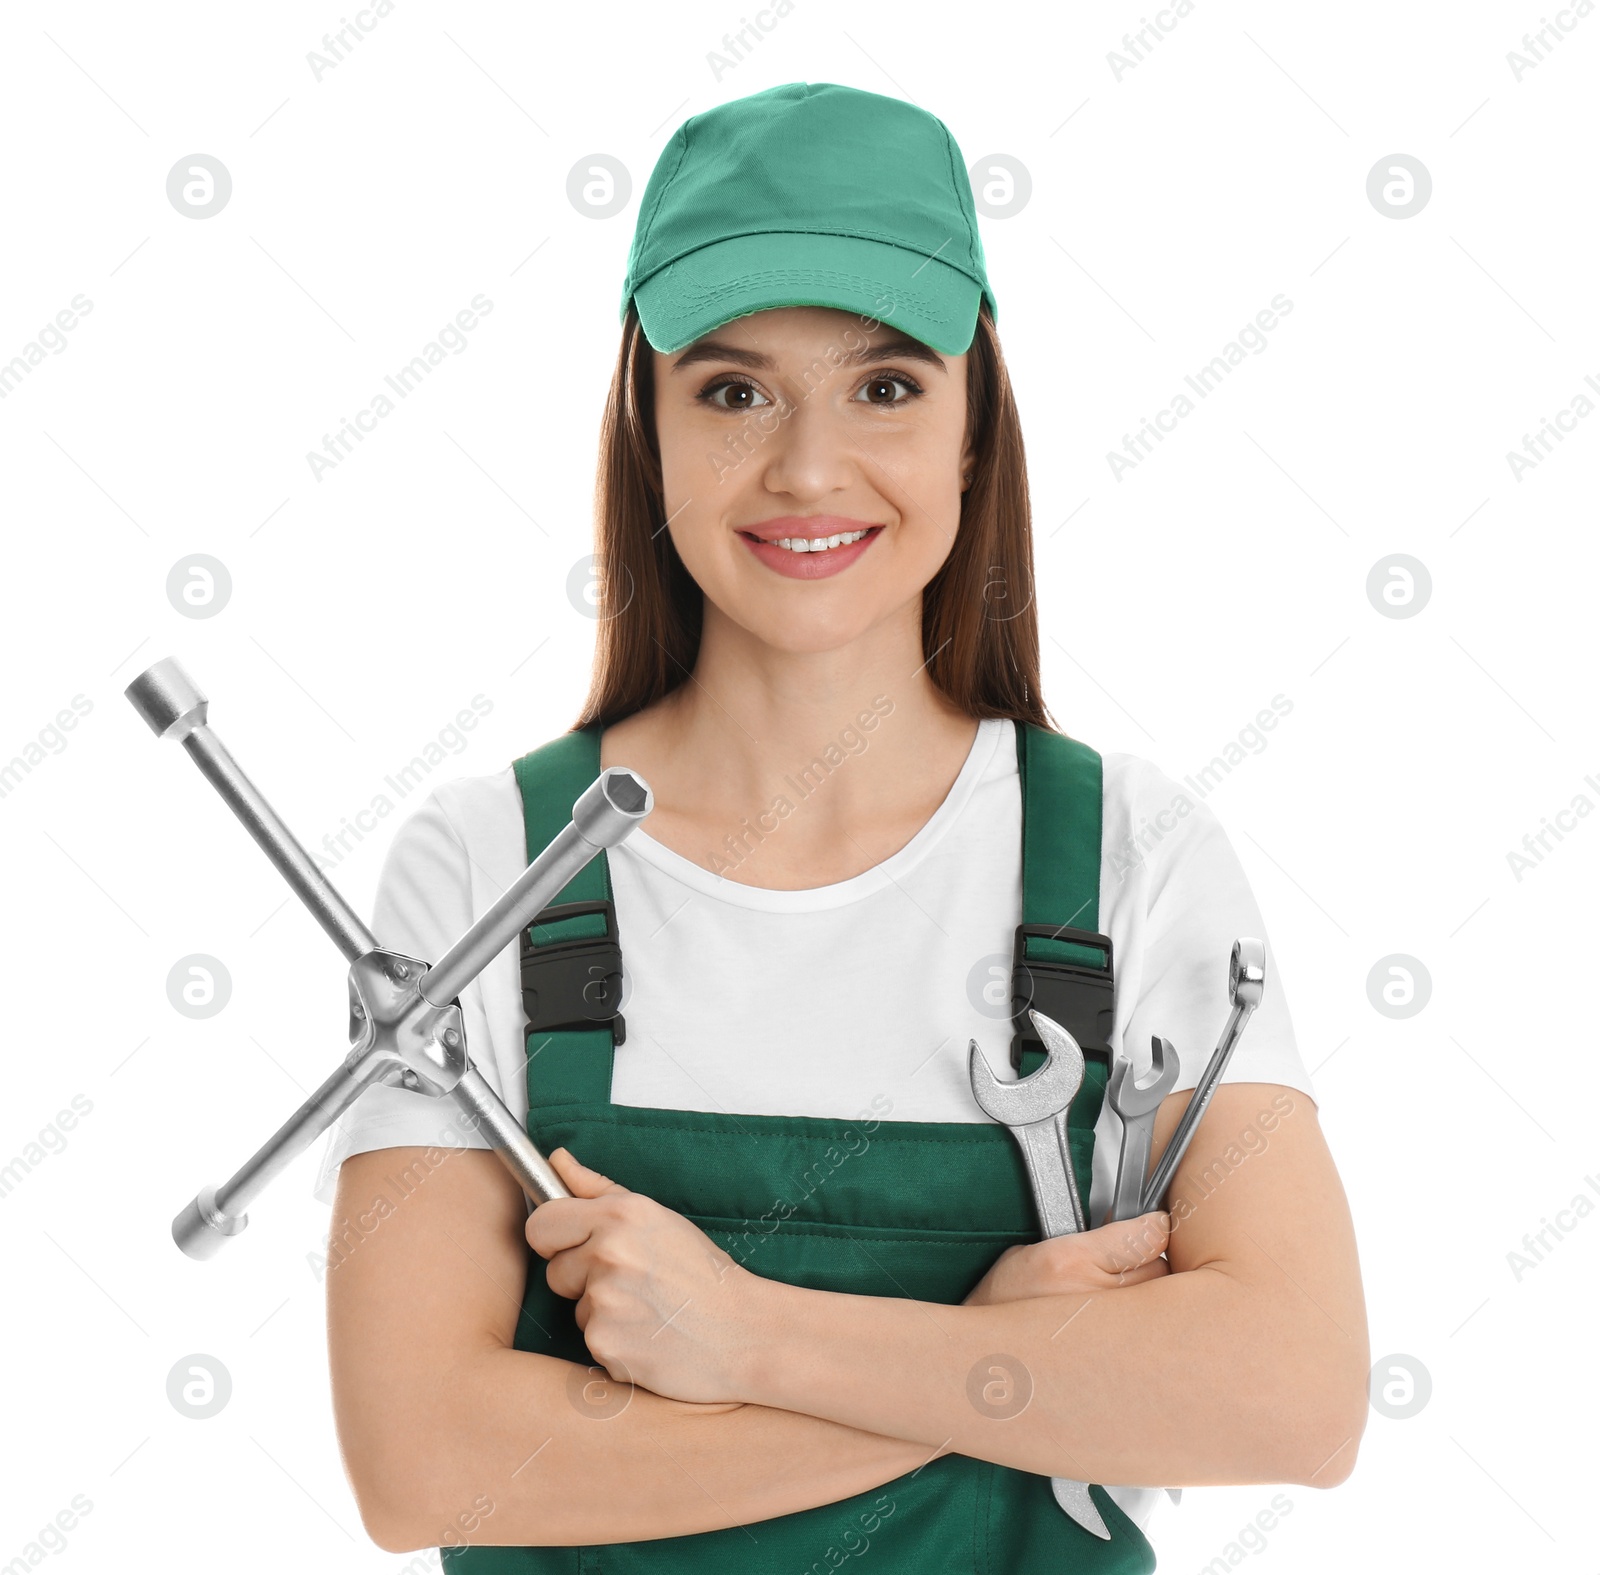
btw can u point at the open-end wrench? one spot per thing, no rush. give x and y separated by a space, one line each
1035 1109
1136 1105
1247 977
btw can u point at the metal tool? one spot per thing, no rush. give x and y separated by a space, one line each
405 1023
1136 1104
1247 976
1035 1109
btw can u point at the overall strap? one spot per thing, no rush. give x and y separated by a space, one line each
1061 965
570 959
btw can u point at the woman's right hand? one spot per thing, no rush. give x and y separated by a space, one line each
1126 1253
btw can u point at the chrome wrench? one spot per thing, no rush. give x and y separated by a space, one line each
1247 977
405 1024
1035 1109
1136 1105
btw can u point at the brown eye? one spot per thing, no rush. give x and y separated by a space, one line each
747 394
884 385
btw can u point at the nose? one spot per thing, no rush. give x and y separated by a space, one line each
808 453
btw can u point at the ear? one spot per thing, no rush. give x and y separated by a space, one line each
969 455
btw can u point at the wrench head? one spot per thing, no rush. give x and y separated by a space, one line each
1130 1099
1247 972
1044 1092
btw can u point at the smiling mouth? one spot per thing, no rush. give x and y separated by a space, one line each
813 543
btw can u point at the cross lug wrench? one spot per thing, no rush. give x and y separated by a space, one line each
405 1022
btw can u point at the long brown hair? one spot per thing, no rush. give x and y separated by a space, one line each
980 627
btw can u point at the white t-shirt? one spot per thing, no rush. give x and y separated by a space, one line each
817 1002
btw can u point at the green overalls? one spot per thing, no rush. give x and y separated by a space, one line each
918 1209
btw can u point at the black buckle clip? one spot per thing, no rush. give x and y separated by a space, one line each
1077 995
574 984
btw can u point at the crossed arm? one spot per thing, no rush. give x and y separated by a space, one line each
752 1398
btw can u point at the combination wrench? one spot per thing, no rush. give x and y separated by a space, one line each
1136 1104
1247 972
1247 978
1034 1108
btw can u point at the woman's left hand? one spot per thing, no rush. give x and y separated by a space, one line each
659 1303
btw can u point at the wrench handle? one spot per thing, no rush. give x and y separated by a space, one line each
508 1139
1048 1156
1049 1160
1133 1160
218 1212
1196 1108
1074 1498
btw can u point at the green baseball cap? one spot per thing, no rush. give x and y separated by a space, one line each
809 194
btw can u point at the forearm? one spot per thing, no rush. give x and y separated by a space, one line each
1193 1378
522 1454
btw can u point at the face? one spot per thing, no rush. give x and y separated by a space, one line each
801 422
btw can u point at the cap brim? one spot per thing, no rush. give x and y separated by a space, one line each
921 296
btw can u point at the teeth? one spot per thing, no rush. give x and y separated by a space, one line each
820 544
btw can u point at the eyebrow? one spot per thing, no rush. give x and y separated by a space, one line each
898 348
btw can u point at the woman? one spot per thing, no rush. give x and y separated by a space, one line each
798 1306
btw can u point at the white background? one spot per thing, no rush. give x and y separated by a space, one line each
368 608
